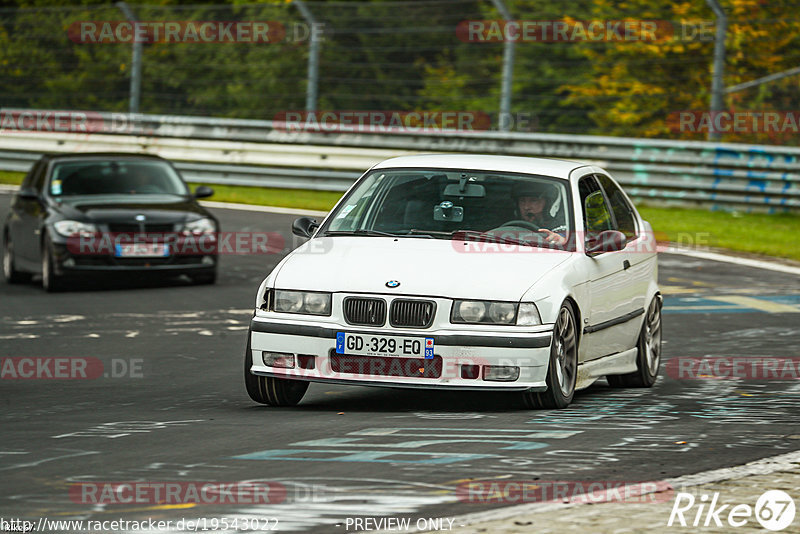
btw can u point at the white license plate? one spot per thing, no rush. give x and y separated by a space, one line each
379 345
141 250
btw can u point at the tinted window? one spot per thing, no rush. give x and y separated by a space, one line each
441 202
30 178
123 177
596 217
623 212
39 176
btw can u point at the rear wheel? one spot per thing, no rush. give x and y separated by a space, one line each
10 272
269 390
51 280
562 372
648 355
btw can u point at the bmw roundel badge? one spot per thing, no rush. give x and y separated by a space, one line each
392 283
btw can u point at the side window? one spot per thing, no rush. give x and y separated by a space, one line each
30 178
38 179
623 212
596 217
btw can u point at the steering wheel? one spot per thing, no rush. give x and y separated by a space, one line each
519 223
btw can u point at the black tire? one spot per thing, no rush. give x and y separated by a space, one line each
10 272
51 281
648 356
562 373
205 278
269 390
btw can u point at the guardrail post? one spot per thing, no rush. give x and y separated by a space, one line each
313 56
717 85
136 61
504 123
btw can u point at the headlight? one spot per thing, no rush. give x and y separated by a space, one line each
528 315
311 303
469 311
489 312
199 227
71 228
502 312
480 311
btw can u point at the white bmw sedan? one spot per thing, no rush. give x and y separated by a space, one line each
464 272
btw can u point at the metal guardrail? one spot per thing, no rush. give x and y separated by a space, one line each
275 154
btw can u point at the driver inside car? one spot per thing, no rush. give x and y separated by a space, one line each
533 202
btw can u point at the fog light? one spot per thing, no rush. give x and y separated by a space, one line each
69 262
470 371
306 361
500 373
207 260
278 359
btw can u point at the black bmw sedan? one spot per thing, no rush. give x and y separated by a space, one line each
79 214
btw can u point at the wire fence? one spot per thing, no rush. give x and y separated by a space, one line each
584 66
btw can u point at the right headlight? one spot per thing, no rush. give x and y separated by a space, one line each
306 302
71 228
199 227
495 312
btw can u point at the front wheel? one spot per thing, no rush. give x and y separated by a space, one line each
51 280
562 371
10 272
648 356
270 390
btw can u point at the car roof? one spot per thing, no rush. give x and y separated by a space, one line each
557 168
100 155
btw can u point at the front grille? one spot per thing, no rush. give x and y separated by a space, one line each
386 366
412 313
135 228
364 311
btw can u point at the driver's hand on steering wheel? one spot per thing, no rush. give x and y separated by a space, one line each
552 237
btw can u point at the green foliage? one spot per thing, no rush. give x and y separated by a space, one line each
405 55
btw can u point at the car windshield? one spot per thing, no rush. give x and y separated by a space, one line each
447 203
119 177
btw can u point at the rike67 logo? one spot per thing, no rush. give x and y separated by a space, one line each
774 510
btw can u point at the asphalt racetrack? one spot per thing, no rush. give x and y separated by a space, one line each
169 406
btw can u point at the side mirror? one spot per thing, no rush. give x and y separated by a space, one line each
304 226
28 193
203 192
606 241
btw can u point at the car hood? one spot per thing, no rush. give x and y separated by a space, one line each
433 267
159 209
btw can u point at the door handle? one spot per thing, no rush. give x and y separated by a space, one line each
626 265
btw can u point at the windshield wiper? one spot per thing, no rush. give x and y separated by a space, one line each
492 237
361 232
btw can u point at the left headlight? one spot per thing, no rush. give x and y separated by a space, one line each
71 228
306 302
494 312
199 227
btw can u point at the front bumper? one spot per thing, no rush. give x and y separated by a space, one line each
67 262
309 341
